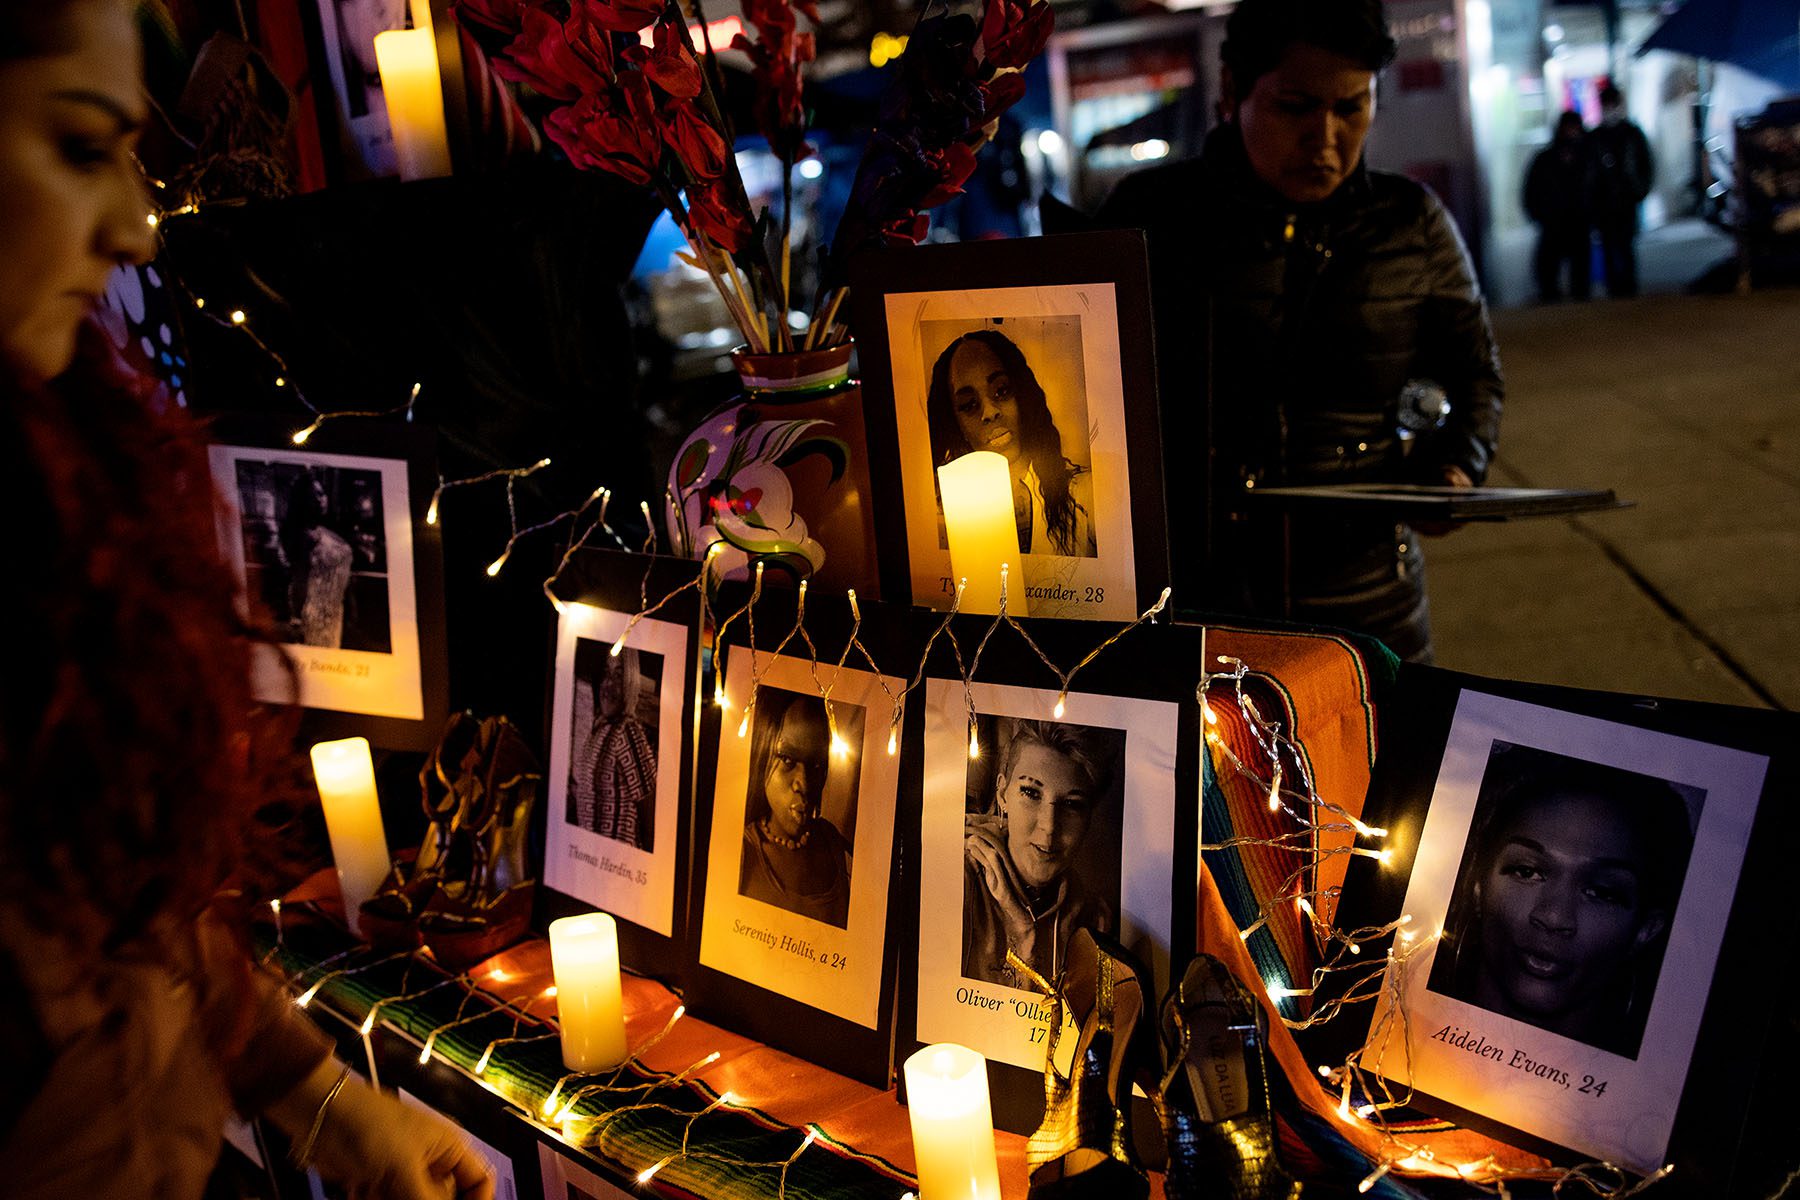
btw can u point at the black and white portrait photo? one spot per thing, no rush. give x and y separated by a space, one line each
1016 386
1053 824
1567 902
1038 375
1567 891
800 805
326 550
800 845
315 552
1041 844
613 743
616 773
349 28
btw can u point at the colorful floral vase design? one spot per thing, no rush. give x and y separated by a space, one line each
779 476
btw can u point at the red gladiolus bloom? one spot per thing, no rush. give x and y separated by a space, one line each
619 16
1001 93
1013 33
501 16
595 133
711 213
954 164
906 230
671 65
695 142
564 62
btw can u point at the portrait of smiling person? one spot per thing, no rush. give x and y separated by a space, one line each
1566 895
1035 864
985 393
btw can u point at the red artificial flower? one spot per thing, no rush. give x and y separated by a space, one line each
1001 93
711 213
696 143
670 64
953 166
1013 33
501 16
618 16
562 61
907 229
600 133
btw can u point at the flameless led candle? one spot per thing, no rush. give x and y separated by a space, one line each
346 778
978 520
952 1123
584 956
407 59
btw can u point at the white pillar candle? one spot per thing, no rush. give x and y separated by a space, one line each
952 1124
978 520
346 778
407 59
584 955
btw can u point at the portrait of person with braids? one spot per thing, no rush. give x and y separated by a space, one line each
984 395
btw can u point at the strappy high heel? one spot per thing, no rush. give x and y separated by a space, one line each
1083 1148
390 918
489 907
1214 1100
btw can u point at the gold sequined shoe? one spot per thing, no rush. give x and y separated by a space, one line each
1083 1148
1214 1098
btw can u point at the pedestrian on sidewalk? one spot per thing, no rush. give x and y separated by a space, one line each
1623 172
1298 296
1557 187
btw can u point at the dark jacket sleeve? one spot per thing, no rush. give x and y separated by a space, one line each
1459 340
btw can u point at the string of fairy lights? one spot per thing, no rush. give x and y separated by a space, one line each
1372 961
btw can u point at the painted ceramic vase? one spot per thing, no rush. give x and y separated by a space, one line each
780 475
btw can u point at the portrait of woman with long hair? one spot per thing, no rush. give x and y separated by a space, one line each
984 395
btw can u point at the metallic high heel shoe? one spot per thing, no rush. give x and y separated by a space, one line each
1214 1099
1083 1148
390 918
489 908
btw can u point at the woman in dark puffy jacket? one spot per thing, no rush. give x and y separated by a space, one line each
1321 290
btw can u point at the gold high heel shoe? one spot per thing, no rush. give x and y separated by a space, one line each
1083 1147
1214 1100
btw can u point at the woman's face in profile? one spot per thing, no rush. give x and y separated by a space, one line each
1305 120
1562 906
72 205
981 394
1048 801
796 768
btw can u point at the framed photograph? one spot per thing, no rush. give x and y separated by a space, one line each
348 29
329 541
1059 824
1037 349
565 1179
1583 869
505 1175
621 749
798 898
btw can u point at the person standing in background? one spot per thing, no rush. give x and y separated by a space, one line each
1557 188
1623 172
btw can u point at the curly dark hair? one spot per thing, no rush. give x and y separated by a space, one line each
137 772
1037 431
1259 32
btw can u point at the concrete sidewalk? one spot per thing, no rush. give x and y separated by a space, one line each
1690 407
